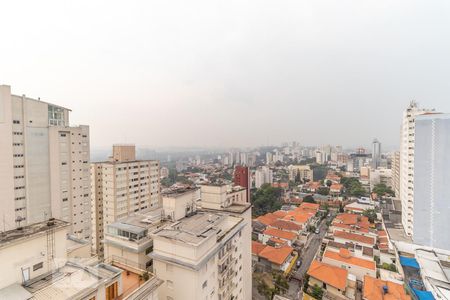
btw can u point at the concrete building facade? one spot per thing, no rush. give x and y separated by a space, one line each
44 165
431 175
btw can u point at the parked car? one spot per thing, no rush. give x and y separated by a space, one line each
317 231
299 263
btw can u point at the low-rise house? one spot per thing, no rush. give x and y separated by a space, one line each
354 238
377 289
336 189
278 236
333 280
355 265
278 258
312 186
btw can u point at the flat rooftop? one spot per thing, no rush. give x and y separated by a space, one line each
140 221
199 227
22 233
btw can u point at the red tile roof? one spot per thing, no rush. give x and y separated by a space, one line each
286 235
286 225
276 255
331 275
257 247
345 257
373 290
354 237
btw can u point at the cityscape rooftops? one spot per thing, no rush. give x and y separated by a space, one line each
29 231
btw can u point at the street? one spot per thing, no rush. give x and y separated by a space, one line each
307 256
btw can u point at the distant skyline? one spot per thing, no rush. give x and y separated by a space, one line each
231 74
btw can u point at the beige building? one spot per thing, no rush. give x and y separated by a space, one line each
120 187
395 167
44 165
303 172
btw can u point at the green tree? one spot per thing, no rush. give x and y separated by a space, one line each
266 199
329 183
309 199
382 189
371 214
323 190
317 292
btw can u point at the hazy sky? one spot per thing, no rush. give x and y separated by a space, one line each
230 73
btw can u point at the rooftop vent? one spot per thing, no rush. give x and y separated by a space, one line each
385 289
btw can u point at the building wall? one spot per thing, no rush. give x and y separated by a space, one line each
431 178
22 255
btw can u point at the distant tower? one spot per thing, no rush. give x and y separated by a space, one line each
376 153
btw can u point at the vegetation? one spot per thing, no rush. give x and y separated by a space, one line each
390 267
305 283
371 214
270 285
266 199
328 183
320 172
353 187
309 199
341 207
382 189
317 292
323 190
171 179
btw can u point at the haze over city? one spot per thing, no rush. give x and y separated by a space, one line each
208 74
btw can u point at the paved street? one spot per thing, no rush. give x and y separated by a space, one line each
307 257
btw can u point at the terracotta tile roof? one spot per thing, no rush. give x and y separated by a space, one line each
277 241
267 219
336 187
279 213
382 233
331 275
286 225
280 234
257 247
373 290
345 257
310 206
299 217
276 255
351 227
354 237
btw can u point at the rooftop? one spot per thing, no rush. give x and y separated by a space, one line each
26 232
276 255
331 275
280 234
377 289
354 237
198 227
345 256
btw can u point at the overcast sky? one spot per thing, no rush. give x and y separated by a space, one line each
230 73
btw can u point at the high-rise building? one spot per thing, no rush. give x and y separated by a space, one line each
395 166
376 154
263 175
431 177
407 164
121 186
44 165
242 178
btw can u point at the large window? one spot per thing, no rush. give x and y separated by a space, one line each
56 116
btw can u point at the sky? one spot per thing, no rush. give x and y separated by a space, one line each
230 73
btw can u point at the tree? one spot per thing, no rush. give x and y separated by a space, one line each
371 214
309 199
266 199
317 292
323 190
382 189
341 207
329 183
353 187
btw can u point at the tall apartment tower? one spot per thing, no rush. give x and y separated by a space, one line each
395 166
376 154
431 176
242 178
44 165
407 164
120 187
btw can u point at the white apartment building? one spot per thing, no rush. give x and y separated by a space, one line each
44 165
263 175
120 187
395 167
407 164
431 173
304 172
205 252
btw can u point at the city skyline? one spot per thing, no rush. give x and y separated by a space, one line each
202 75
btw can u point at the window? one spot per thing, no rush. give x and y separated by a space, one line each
16 122
38 266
